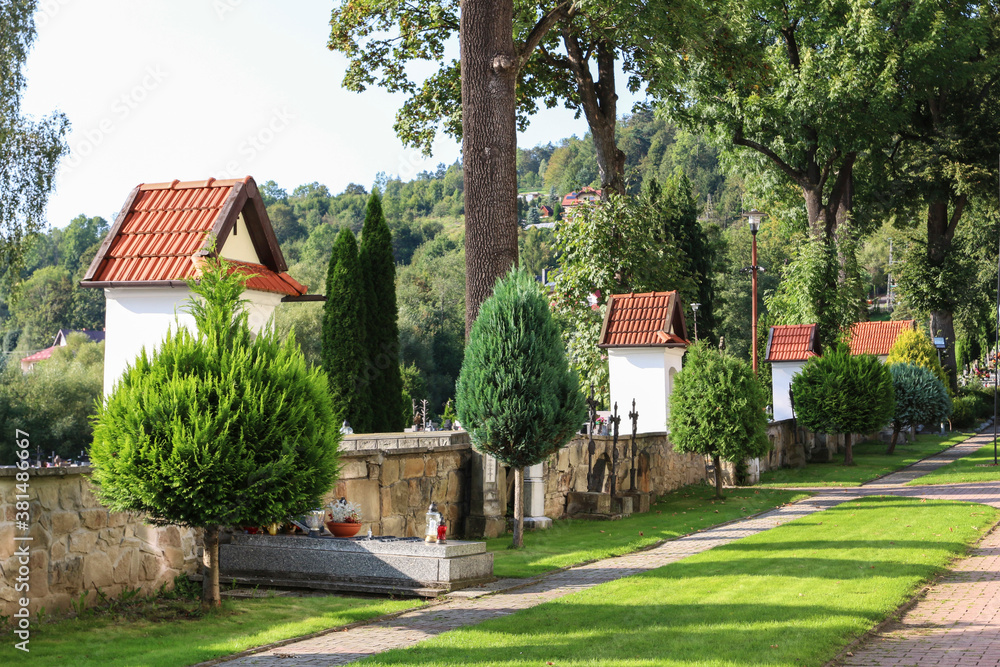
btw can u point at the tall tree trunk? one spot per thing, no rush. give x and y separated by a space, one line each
848 450
940 233
489 147
600 106
518 508
717 462
892 443
210 582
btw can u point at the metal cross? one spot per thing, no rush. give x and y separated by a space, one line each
634 416
614 420
592 405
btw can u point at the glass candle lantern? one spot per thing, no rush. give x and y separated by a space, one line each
434 519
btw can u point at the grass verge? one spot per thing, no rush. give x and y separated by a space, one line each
870 459
976 467
791 596
168 633
680 512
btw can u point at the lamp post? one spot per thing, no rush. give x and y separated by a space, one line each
694 309
754 217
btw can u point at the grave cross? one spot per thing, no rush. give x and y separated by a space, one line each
614 420
592 416
634 416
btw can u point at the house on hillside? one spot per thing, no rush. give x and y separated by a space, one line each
584 195
877 337
163 232
789 346
645 336
545 211
28 363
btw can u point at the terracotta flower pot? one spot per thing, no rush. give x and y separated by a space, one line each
343 529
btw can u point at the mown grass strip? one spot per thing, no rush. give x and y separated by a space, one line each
870 459
791 596
976 467
171 633
680 512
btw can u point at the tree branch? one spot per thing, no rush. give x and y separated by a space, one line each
956 216
740 140
564 11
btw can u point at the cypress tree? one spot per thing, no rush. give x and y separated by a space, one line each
381 326
717 409
344 352
844 393
217 428
516 394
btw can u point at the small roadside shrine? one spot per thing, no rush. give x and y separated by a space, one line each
877 337
162 233
645 336
789 346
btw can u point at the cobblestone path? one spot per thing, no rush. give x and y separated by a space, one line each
339 648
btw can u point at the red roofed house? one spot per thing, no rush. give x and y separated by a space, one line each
28 363
789 346
877 337
162 233
646 337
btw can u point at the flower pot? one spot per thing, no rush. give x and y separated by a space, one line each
343 529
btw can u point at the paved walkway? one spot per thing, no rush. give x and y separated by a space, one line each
339 648
957 623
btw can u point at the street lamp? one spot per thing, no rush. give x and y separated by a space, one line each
694 309
754 218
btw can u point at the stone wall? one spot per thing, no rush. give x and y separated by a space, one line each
79 545
395 477
792 445
659 468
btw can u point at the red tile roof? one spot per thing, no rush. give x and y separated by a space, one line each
40 355
791 342
652 319
877 337
163 228
265 280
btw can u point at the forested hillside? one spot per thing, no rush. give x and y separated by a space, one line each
426 217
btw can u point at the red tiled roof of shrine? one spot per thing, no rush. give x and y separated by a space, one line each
791 342
652 319
265 280
877 337
165 228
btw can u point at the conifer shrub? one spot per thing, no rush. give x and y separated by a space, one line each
378 267
844 393
921 398
717 409
345 352
217 427
516 394
915 347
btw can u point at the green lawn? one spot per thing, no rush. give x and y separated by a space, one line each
792 596
184 639
677 513
977 467
870 459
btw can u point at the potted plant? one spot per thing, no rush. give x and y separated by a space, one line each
343 518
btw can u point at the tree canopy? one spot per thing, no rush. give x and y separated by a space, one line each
717 409
844 393
29 148
921 398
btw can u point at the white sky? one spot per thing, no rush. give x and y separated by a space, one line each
163 89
